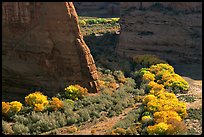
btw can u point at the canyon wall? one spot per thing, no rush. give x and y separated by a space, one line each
42 48
171 30
98 9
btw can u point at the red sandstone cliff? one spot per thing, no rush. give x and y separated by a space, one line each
43 48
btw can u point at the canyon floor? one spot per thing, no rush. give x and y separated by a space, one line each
103 125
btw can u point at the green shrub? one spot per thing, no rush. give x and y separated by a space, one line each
61 118
130 82
68 104
20 129
45 123
147 60
84 115
72 119
111 113
41 122
21 119
95 113
118 108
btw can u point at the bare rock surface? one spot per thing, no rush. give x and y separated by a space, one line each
43 48
98 9
171 30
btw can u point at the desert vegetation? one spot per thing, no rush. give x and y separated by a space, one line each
160 113
94 25
145 83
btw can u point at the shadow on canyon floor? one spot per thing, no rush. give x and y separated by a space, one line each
193 71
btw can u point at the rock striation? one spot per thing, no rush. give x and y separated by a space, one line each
171 30
43 48
98 9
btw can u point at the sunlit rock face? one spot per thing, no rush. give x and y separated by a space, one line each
171 30
42 48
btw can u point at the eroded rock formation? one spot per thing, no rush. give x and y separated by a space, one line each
43 48
171 30
98 9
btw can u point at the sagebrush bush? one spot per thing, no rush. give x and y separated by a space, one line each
95 114
60 118
72 119
84 115
130 82
20 129
21 119
42 122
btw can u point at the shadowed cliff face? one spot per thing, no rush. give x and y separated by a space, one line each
43 48
171 30
98 9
